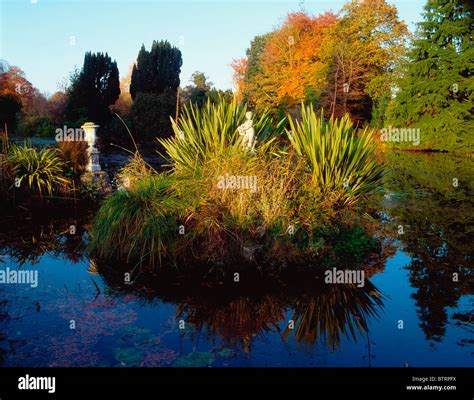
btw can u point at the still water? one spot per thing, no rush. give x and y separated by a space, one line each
415 308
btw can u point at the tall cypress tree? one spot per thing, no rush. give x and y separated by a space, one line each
154 87
156 71
436 91
94 89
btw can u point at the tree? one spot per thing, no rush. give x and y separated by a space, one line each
10 105
202 89
16 90
283 67
436 92
239 66
198 91
157 70
156 75
150 114
94 89
216 94
124 102
13 81
366 44
252 68
57 107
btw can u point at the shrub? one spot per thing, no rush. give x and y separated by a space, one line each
10 106
38 126
136 170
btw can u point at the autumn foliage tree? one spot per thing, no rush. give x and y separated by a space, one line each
342 63
21 102
13 82
367 43
284 68
123 104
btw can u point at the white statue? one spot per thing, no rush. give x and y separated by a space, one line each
248 132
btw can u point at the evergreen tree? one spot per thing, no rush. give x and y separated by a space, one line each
253 71
198 92
94 89
10 105
157 70
154 88
436 91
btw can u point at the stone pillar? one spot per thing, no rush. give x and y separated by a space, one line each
89 129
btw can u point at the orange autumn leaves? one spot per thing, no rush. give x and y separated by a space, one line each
342 63
290 63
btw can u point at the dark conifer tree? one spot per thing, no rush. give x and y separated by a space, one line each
94 89
436 92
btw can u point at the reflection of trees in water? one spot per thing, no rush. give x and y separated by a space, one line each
321 312
328 313
236 321
438 220
27 237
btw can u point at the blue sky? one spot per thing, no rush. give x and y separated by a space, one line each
48 38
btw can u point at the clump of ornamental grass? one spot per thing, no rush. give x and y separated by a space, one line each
201 134
276 205
38 171
134 171
339 159
139 223
74 155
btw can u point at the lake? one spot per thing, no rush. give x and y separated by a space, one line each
415 309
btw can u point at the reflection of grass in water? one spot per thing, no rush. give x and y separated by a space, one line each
237 321
341 312
326 312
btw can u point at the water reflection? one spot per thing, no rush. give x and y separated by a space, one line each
431 195
27 236
301 307
438 231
